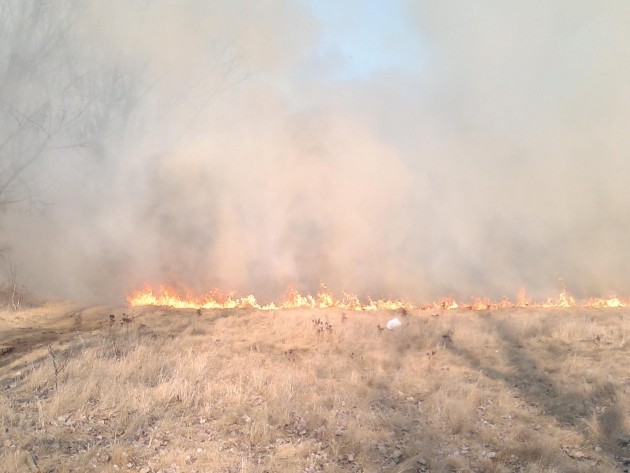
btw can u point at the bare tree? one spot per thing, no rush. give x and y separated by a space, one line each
59 93
57 90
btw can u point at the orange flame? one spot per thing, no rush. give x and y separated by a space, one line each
612 302
169 297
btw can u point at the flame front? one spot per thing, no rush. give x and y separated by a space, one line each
169 297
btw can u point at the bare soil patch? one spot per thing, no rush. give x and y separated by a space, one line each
160 390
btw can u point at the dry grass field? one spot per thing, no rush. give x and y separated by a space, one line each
520 390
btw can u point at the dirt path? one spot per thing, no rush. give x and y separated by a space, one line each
25 334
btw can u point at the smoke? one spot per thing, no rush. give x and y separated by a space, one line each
247 158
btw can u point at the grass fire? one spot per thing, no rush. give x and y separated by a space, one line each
169 297
178 179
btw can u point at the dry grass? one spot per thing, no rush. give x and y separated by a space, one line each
247 391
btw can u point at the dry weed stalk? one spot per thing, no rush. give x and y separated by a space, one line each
57 365
31 462
322 327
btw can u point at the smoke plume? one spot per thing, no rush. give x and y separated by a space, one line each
231 151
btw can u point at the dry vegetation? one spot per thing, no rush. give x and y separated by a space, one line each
310 391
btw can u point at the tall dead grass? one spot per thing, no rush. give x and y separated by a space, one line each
247 391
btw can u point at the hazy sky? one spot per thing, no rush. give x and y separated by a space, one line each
366 37
407 149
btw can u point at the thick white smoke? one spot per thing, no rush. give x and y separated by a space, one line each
502 162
